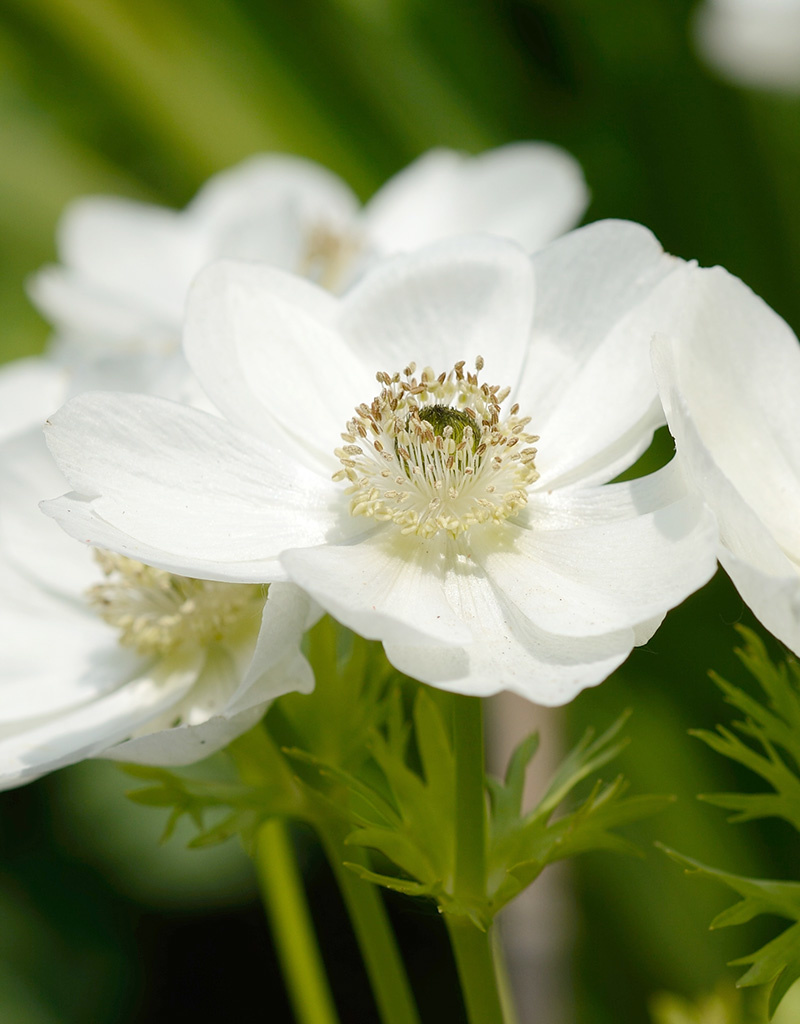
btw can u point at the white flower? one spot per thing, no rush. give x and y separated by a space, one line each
104 656
728 369
30 389
480 565
127 266
755 42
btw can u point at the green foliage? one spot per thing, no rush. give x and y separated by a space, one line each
767 742
778 962
407 813
723 1006
248 805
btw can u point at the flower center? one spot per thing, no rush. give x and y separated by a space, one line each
433 454
158 612
327 256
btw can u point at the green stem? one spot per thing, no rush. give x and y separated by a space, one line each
292 928
473 950
257 758
374 934
470 853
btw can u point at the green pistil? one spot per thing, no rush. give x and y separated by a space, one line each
441 417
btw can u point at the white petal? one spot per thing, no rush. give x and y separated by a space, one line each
386 587
276 667
767 580
240 694
261 345
452 301
30 389
607 576
91 320
588 383
189 484
508 652
57 654
737 365
265 208
752 42
65 739
184 744
31 541
529 192
131 249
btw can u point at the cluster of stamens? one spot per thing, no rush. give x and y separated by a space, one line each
432 454
157 612
328 255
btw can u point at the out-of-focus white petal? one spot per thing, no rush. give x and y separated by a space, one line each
30 389
266 207
28 539
59 740
529 192
754 42
131 249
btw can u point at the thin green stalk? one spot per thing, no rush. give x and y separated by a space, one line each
470 867
374 934
473 950
284 898
292 928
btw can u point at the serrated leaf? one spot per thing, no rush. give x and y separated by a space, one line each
410 888
777 962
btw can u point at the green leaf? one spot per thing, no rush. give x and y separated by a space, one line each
407 815
767 742
196 797
778 962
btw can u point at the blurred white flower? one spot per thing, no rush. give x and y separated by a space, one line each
728 369
104 656
30 389
126 266
754 42
425 518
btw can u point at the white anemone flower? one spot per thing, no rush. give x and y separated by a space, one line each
728 369
30 389
104 656
754 42
126 266
380 450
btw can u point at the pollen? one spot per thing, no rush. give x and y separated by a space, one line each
158 612
435 454
327 255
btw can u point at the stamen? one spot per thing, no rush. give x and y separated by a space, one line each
441 440
328 255
158 612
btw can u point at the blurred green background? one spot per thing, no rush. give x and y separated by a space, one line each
147 98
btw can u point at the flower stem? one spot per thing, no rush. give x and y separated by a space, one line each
292 928
473 950
472 946
374 934
470 853
257 758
